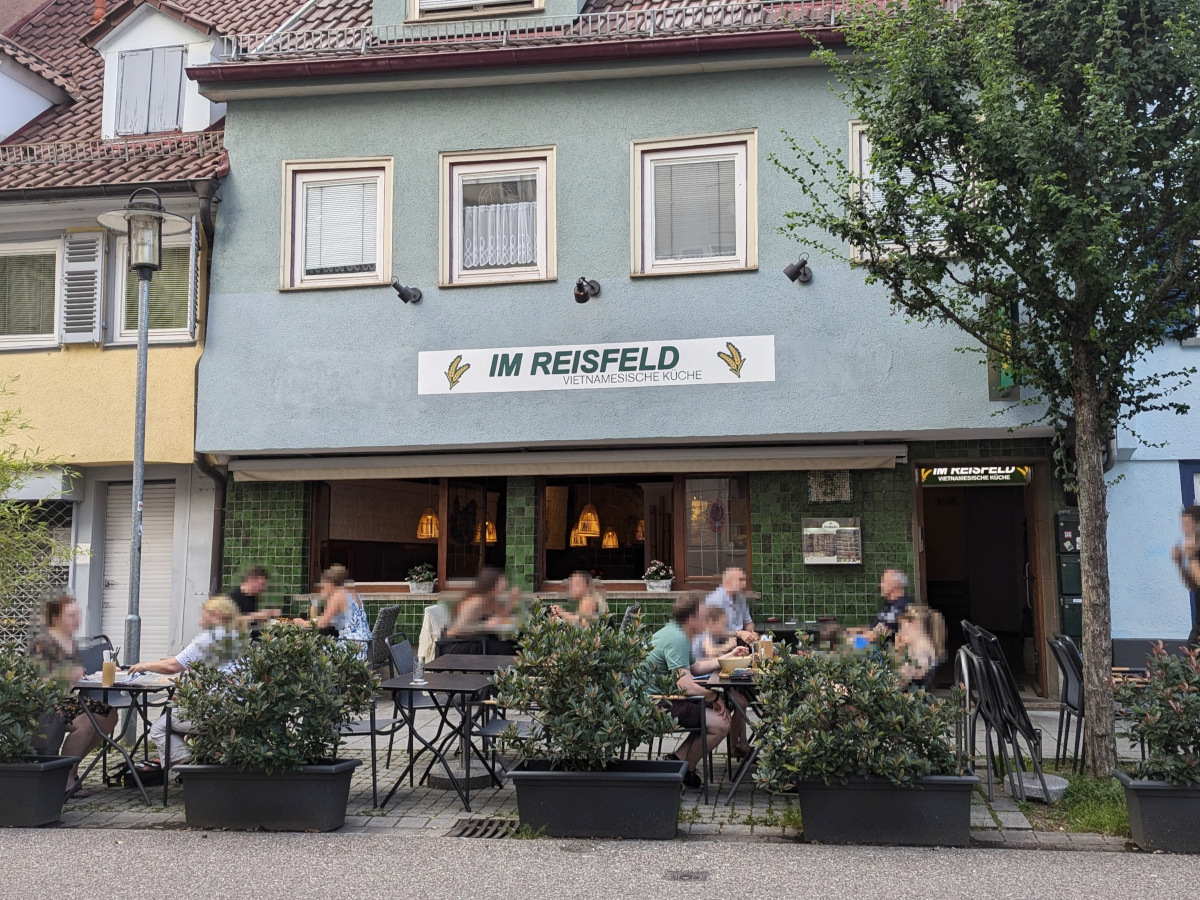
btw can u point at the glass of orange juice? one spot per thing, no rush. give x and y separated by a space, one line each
108 669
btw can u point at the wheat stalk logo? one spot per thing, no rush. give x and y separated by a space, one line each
456 371
733 359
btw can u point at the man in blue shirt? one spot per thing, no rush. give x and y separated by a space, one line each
730 595
894 588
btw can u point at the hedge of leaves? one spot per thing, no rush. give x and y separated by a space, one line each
25 696
1165 714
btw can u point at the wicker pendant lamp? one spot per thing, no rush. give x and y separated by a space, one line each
577 539
640 534
610 540
589 519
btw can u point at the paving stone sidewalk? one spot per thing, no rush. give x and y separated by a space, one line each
754 815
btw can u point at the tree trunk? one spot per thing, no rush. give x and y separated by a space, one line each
1100 757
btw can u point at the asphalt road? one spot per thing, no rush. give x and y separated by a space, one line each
66 864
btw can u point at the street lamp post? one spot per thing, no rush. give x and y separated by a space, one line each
144 222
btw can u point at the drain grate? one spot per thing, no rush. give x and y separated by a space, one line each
483 828
685 876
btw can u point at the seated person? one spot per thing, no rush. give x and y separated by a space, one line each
715 640
730 596
893 587
915 650
343 616
485 611
590 604
671 655
219 621
53 646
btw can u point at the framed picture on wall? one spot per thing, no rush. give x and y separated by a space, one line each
832 542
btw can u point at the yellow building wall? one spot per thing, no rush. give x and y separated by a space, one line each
79 400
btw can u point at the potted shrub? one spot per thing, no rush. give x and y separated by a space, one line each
1163 792
871 764
659 576
33 787
265 735
589 697
421 579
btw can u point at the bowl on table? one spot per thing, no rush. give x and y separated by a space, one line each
730 664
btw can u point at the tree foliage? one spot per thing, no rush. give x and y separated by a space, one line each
1164 715
25 696
1033 179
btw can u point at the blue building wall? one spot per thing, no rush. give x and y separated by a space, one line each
1148 597
334 369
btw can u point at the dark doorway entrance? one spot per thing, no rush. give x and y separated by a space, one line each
977 567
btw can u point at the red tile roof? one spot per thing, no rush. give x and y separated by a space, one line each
67 135
38 66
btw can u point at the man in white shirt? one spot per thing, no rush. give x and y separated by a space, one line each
730 596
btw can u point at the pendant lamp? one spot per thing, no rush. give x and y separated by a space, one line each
492 537
640 534
610 540
589 519
577 539
428 527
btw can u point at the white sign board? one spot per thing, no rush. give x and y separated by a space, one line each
571 367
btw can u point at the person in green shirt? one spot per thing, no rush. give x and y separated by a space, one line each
671 654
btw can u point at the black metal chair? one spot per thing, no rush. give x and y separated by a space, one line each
401 658
999 692
706 767
91 659
631 614
1070 701
385 625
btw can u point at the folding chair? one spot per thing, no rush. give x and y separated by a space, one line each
400 662
1070 701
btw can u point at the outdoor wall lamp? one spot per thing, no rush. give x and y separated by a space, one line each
585 290
799 270
407 294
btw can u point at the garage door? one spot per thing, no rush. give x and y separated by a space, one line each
158 542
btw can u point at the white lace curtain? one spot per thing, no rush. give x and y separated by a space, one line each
501 234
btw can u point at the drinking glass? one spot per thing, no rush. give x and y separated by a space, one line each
108 670
418 672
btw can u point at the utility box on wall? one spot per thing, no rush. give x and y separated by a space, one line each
1070 575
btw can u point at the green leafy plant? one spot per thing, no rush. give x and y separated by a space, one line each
423 573
25 696
587 691
281 706
1165 714
842 716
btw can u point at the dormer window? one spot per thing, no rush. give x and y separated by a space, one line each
150 90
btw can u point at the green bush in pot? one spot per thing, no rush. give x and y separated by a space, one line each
586 689
1164 714
281 706
25 696
842 716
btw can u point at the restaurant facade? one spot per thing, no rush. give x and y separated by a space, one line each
607 364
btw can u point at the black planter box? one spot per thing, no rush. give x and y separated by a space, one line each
1162 816
934 812
34 791
629 799
311 798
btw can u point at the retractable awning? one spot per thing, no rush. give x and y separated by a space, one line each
649 461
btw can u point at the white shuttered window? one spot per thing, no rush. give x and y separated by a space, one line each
29 290
338 227
150 90
173 292
694 206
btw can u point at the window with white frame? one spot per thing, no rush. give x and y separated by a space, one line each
29 291
173 293
337 223
469 9
150 90
498 218
695 204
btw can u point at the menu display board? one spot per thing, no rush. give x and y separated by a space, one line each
832 542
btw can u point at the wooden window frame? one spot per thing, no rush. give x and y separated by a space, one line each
296 175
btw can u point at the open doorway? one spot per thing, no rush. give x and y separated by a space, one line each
977 566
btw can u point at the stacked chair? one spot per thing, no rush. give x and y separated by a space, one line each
993 696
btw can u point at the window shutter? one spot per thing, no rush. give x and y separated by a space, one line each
443 5
340 224
695 214
166 89
193 278
83 287
133 92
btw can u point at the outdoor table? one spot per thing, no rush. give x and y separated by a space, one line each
139 688
474 663
729 687
468 687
